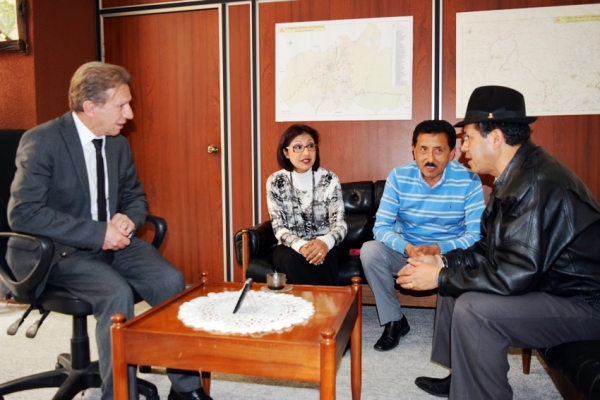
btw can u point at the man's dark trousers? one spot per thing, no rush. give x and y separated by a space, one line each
472 334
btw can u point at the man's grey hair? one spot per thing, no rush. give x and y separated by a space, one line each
92 80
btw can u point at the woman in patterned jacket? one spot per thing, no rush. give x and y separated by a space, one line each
306 209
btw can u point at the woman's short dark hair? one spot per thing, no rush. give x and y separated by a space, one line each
286 139
436 126
514 132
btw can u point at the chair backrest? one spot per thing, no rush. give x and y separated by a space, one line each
9 142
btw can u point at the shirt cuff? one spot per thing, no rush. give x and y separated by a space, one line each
298 244
329 241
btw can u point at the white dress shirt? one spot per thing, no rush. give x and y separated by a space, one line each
89 151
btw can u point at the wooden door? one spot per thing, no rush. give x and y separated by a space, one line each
174 61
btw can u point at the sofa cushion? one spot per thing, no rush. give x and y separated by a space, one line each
349 269
360 230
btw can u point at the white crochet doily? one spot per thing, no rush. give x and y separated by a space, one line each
260 312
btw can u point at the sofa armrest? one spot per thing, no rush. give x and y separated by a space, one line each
253 242
579 362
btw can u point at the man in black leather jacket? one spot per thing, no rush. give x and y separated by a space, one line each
533 280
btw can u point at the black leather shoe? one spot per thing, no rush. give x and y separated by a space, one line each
198 394
435 386
391 335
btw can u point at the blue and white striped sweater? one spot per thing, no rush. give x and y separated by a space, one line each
448 214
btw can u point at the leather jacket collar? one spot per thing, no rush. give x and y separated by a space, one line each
515 164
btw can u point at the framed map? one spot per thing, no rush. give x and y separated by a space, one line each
550 54
13 32
359 69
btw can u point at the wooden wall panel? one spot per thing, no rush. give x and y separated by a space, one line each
126 3
240 85
55 63
34 87
356 150
574 140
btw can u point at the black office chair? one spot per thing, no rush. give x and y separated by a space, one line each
74 371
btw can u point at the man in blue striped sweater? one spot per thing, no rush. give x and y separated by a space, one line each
429 206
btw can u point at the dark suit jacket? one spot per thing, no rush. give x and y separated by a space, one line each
50 194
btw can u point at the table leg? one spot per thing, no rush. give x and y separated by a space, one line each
356 344
206 381
356 356
327 365
120 376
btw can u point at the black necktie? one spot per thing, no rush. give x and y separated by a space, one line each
100 175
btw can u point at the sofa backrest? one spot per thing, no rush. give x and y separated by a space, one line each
358 197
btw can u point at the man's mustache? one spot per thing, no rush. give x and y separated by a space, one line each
430 164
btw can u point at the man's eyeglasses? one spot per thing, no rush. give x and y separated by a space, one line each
298 148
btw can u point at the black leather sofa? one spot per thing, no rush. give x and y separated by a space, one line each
575 368
360 202
254 246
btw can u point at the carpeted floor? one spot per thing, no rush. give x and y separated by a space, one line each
388 375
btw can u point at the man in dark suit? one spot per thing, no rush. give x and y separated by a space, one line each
56 193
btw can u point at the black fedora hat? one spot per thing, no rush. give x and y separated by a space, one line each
495 104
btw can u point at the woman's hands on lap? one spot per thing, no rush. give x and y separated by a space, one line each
314 251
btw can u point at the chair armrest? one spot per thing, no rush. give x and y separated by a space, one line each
24 291
252 242
160 229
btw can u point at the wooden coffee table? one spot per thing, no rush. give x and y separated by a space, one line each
308 352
